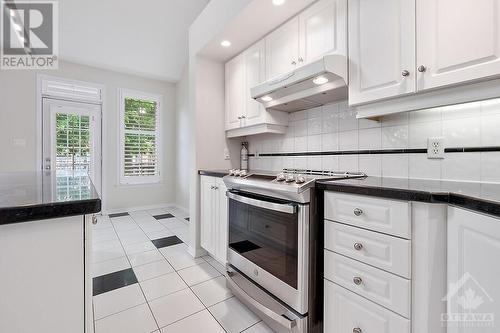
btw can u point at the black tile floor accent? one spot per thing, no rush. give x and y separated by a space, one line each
167 241
118 214
187 219
103 284
163 216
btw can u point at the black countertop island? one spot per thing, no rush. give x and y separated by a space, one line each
480 197
39 195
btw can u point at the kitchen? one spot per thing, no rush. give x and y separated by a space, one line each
328 166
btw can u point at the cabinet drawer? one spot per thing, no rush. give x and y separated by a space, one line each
345 311
387 216
383 288
386 252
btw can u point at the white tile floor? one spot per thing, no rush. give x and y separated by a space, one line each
176 293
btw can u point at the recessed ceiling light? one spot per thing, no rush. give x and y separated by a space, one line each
266 98
320 80
225 43
278 2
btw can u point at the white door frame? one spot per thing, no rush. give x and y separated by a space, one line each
40 95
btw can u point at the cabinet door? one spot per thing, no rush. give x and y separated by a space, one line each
457 41
323 30
473 270
207 213
222 222
282 49
235 91
381 49
254 74
347 312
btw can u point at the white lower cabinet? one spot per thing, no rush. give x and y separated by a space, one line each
213 217
473 270
45 276
347 312
384 265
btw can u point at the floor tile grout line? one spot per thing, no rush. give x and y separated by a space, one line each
206 308
115 313
140 287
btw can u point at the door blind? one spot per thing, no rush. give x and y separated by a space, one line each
140 157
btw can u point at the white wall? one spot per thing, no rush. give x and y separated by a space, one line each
18 121
335 128
183 139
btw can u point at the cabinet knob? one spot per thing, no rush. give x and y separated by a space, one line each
239 117
243 117
357 280
421 68
301 59
216 187
358 211
358 246
405 73
294 63
357 330
94 219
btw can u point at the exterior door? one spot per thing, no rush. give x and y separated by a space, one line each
457 41
72 139
254 74
282 49
323 30
381 49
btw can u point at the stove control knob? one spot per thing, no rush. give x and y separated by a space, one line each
280 177
300 179
231 172
243 173
236 173
289 178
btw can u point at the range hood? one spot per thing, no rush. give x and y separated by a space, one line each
315 84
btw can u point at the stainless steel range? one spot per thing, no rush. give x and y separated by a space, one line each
270 235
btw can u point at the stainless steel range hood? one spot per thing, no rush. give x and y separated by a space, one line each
315 84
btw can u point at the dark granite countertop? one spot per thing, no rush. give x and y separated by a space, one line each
213 173
481 197
38 195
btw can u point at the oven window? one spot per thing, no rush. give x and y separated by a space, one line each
267 238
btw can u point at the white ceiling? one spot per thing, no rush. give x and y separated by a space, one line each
257 19
147 38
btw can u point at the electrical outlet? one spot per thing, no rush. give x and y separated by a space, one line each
435 148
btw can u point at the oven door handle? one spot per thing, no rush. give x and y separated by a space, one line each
285 208
285 322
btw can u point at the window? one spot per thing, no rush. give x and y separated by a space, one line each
140 138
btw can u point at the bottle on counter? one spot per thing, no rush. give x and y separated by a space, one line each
244 156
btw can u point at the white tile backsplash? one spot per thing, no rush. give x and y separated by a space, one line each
334 127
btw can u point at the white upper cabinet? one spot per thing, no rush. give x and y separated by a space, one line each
255 73
381 49
323 30
282 49
457 41
235 91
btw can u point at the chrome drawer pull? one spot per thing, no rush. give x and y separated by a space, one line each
356 330
94 219
358 211
358 246
357 280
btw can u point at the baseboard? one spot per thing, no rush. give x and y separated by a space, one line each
137 208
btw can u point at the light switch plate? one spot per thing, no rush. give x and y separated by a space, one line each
227 156
435 148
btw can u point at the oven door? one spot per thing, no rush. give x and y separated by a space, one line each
269 243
